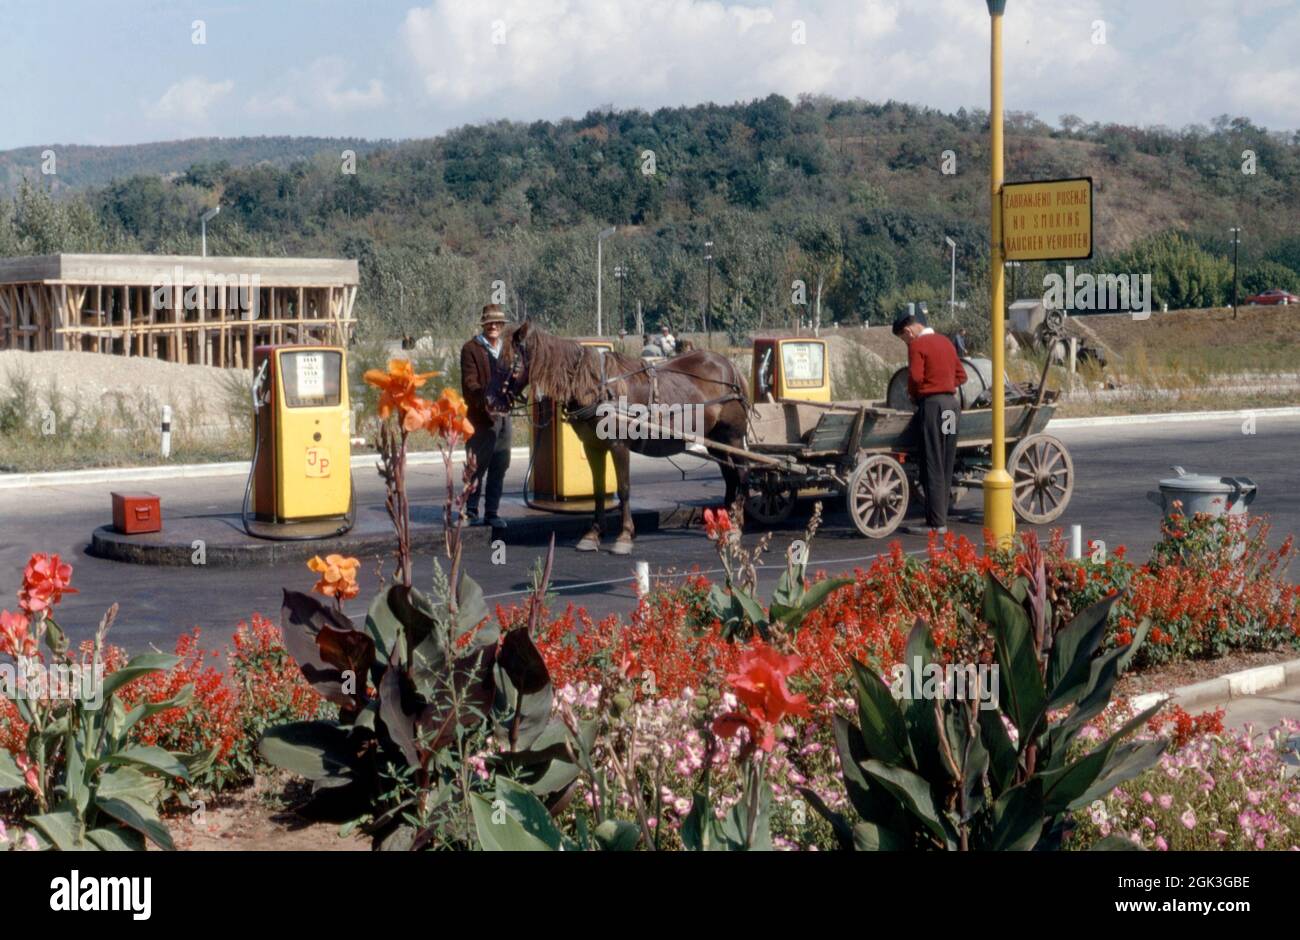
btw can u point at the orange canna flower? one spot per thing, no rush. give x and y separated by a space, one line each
418 414
338 576
448 415
398 385
45 580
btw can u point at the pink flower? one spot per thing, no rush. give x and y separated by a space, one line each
1161 844
1188 819
31 773
1147 797
1165 801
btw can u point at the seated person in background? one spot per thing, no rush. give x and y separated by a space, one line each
666 340
650 349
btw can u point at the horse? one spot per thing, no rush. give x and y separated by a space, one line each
596 387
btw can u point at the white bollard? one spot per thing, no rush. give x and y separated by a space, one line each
642 578
166 431
1076 541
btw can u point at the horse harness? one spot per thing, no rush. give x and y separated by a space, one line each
587 412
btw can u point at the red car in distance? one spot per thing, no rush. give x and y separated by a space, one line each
1274 296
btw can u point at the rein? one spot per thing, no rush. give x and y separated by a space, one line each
587 412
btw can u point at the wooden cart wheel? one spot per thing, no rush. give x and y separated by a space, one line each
877 495
1042 475
768 506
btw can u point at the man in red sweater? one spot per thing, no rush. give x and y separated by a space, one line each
934 375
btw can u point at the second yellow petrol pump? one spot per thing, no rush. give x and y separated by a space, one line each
560 477
794 369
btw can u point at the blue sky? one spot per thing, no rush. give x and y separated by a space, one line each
128 71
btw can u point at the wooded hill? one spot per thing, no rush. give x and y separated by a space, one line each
849 197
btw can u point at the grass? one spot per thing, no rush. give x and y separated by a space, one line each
860 377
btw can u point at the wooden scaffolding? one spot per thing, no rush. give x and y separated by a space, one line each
212 311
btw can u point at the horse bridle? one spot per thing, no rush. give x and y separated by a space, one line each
512 387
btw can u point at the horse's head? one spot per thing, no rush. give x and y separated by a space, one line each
510 377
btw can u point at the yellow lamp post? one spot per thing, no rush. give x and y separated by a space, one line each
998 516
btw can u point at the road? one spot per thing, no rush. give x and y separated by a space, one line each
1115 467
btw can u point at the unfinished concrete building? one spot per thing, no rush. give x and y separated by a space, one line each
183 309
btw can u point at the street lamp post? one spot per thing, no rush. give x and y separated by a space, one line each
204 219
600 242
998 516
620 272
952 288
1236 241
708 292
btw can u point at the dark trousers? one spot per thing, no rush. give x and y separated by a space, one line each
491 449
937 414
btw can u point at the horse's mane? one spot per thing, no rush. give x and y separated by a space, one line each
569 372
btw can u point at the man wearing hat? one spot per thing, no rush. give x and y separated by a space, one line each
490 443
666 341
934 375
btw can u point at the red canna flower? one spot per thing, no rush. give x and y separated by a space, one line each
45 580
760 685
15 637
717 523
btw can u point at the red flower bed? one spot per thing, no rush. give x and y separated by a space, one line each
260 686
1200 602
1212 586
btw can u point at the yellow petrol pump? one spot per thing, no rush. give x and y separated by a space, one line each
791 368
302 454
559 475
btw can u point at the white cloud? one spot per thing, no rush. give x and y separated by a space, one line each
272 105
189 100
353 99
319 87
1160 62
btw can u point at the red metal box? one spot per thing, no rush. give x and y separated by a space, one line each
136 512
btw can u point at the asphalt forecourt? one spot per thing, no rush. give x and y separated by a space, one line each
1116 466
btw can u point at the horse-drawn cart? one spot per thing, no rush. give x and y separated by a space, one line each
868 451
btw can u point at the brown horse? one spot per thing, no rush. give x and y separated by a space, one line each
701 393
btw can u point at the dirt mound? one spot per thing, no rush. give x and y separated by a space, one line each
136 387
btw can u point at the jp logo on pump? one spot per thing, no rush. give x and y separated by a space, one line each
318 462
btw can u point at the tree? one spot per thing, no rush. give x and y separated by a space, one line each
1267 275
869 273
819 244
